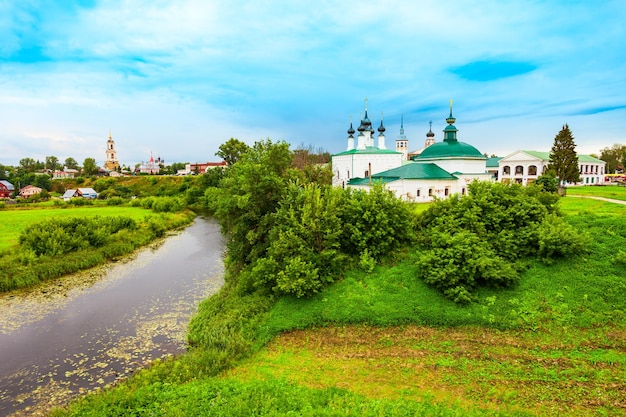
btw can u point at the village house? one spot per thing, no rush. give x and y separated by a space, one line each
6 189
80 192
29 191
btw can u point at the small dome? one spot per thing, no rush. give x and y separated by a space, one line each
453 149
430 134
381 128
366 120
351 130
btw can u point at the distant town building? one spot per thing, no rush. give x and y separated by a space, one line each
29 191
66 173
111 163
80 192
200 168
152 167
6 188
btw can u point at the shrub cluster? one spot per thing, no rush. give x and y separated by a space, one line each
318 231
479 239
60 236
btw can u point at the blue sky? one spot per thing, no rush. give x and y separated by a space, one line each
179 78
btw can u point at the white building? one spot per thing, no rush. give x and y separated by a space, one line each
524 167
438 170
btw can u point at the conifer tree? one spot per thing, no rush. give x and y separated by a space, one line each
563 157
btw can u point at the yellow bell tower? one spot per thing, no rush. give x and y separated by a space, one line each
111 163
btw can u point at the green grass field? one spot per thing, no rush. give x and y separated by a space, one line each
608 191
14 221
386 344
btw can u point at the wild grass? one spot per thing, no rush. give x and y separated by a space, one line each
384 343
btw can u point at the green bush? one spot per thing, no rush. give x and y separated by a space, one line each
115 201
375 221
476 240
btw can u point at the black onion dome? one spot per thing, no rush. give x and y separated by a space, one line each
381 128
351 130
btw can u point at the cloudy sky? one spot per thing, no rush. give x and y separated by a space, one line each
180 77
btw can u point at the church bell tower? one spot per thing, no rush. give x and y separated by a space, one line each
111 163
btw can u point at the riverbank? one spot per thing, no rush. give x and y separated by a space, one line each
384 343
93 329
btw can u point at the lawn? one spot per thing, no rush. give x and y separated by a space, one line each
15 221
607 191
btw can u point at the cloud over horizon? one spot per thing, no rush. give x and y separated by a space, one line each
181 77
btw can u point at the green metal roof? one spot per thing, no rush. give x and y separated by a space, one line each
450 149
493 162
367 150
410 171
588 158
545 156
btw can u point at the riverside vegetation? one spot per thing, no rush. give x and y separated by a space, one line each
331 305
45 240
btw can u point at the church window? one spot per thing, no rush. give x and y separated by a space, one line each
463 191
519 170
446 191
367 174
430 192
418 192
532 170
506 170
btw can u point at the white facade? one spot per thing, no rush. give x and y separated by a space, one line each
524 167
350 164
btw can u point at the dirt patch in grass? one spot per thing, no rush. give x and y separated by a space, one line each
566 372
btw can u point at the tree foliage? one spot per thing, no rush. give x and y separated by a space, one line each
615 158
70 163
232 150
563 158
287 233
90 167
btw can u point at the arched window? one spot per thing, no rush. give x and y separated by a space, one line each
519 170
430 192
532 170
446 191
506 170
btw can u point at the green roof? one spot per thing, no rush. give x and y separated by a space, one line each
545 156
493 162
367 150
450 149
410 171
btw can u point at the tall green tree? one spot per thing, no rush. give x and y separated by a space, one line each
232 150
70 163
52 163
28 164
563 157
90 167
248 195
615 158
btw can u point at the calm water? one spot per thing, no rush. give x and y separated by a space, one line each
68 338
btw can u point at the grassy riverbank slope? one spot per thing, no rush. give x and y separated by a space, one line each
33 243
384 343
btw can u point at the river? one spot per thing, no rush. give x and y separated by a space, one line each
86 331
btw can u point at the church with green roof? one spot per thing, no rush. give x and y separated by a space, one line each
439 170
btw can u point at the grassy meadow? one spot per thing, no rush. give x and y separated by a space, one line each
14 222
613 191
384 343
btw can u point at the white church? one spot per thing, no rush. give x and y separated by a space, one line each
438 170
